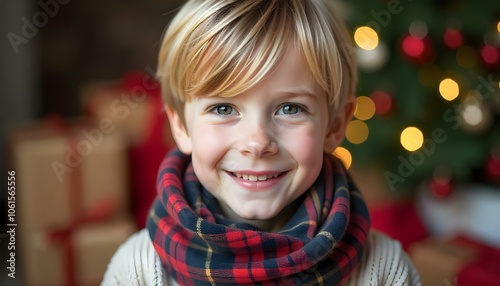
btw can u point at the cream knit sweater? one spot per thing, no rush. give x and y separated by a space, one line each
136 264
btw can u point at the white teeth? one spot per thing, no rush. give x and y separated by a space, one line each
255 178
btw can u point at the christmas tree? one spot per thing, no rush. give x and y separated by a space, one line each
428 92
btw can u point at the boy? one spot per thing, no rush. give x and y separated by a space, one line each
258 95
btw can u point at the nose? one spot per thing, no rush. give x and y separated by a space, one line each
257 141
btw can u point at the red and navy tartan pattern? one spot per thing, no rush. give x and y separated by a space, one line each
322 243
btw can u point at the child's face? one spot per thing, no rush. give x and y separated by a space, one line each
258 151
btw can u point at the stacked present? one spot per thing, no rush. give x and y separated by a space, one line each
135 107
85 186
72 203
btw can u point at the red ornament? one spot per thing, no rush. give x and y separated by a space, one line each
453 38
441 187
384 103
418 50
413 47
490 56
493 168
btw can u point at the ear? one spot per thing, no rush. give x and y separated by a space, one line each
179 132
336 130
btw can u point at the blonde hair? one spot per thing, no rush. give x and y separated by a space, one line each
224 47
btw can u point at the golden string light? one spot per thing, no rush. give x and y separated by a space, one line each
449 89
344 155
412 138
366 38
357 132
365 108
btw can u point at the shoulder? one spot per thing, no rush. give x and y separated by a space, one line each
135 263
385 263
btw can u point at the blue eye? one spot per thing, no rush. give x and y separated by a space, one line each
289 109
223 109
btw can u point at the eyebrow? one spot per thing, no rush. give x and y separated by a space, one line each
296 92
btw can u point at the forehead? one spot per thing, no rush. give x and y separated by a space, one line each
290 74
287 67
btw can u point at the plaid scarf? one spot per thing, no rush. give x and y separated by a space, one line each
322 243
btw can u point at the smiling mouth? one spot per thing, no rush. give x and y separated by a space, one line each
255 178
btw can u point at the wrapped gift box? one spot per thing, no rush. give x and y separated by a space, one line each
439 262
69 176
135 106
79 259
61 172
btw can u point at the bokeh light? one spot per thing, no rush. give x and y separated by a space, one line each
412 138
418 29
413 47
493 168
473 114
357 132
366 38
493 164
365 108
490 54
453 38
383 102
449 89
344 155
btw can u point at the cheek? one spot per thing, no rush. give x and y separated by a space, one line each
206 138
307 151
209 146
306 145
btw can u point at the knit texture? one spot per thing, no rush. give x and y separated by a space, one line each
322 244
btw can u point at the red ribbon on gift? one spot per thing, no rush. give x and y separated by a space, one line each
146 157
100 211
